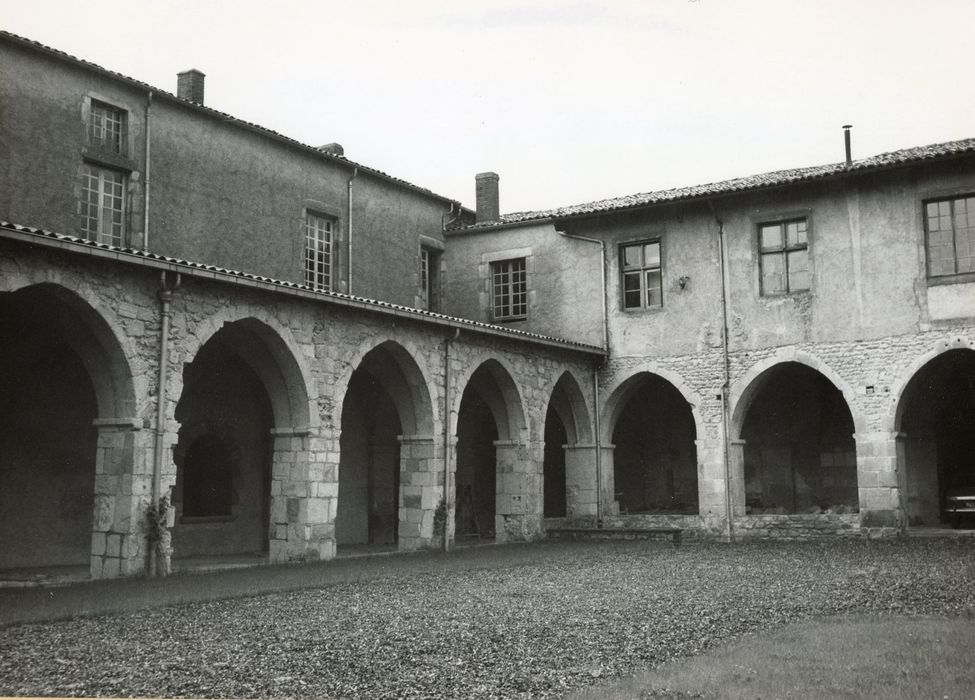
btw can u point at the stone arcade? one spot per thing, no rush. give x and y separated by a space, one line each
302 353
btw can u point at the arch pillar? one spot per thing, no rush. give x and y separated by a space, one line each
421 490
714 481
123 486
580 481
304 495
881 482
519 505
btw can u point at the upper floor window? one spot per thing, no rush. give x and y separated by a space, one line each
949 225
429 279
106 128
784 252
319 232
509 286
102 204
640 272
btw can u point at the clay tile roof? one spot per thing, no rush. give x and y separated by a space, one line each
777 178
75 244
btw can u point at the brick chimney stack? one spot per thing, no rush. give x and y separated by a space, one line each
189 85
486 194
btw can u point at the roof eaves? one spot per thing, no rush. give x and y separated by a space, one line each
144 258
226 118
751 183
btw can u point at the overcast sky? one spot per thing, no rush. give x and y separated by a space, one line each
568 101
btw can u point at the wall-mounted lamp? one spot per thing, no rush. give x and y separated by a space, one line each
682 281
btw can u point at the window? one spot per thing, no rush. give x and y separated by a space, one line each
429 279
510 290
641 280
106 128
102 204
784 252
318 251
949 225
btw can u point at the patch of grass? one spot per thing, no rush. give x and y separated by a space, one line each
850 658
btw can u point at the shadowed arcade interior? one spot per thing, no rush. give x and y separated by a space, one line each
799 455
938 428
224 451
655 459
60 369
369 470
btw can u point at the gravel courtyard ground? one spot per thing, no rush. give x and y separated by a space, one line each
537 623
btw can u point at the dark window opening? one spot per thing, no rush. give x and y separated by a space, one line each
208 478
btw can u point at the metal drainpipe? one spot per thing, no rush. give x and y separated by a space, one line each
595 372
165 298
446 436
145 180
726 386
348 290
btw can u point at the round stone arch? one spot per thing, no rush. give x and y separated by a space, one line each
97 337
407 382
895 414
275 358
503 396
618 392
744 390
569 403
94 387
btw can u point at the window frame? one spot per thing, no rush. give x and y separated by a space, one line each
98 172
643 268
119 145
956 275
513 284
315 278
784 251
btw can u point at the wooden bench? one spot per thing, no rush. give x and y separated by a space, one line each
616 533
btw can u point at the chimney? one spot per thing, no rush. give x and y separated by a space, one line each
334 149
846 140
189 85
486 194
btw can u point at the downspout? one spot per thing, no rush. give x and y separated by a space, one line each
348 251
595 372
145 180
726 385
446 437
165 299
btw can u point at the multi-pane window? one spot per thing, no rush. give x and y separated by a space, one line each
106 128
950 228
429 268
102 204
510 290
784 252
641 280
319 231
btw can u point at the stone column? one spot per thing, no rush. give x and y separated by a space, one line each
123 485
421 491
304 495
580 481
714 480
607 469
881 483
518 514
